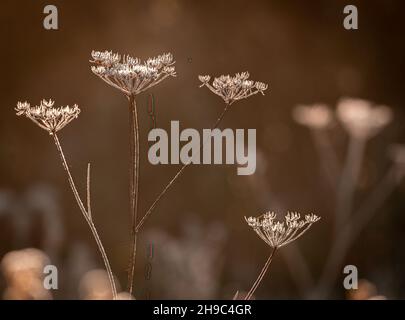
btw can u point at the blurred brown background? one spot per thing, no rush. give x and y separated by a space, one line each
203 247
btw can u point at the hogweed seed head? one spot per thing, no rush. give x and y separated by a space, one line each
317 116
131 75
361 118
47 116
278 234
233 88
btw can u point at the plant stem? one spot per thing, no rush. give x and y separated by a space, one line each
348 233
176 176
261 275
86 216
133 185
349 179
298 268
327 155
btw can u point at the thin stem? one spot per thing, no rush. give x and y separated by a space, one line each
327 155
349 178
261 275
298 268
133 185
88 191
86 216
353 228
176 176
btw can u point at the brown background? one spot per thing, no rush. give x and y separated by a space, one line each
299 48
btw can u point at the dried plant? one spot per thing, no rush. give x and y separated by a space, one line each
318 118
52 120
362 120
277 234
234 88
46 116
230 89
132 77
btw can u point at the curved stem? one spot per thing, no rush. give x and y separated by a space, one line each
86 216
176 176
261 275
133 185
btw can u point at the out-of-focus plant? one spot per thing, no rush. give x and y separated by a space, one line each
191 264
23 271
362 120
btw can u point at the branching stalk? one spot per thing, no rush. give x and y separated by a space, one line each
261 275
176 176
86 214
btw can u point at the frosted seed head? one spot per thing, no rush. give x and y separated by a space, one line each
278 233
46 116
130 75
233 88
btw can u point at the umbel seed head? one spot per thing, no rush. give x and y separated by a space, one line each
234 88
131 75
278 234
361 118
317 116
47 116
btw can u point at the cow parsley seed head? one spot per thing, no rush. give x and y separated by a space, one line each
361 118
130 75
317 116
233 88
47 116
278 234
106 58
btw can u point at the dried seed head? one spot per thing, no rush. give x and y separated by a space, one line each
46 116
129 74
234 88
106 58
361 118
278 234
317 116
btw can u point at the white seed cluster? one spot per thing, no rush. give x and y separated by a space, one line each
131 75
278 234
234 88
361 118
47 116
